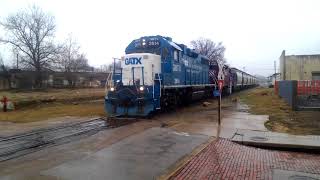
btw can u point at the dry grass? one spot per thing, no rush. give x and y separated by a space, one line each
281 117
26 98
53 110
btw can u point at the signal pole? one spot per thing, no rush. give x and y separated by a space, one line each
219 110
220 85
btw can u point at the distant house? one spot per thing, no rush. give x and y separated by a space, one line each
4 80
274 77
25 79
300 67
4 84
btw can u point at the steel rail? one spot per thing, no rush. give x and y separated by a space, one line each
25 143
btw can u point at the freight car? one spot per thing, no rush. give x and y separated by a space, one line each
242 80
157 73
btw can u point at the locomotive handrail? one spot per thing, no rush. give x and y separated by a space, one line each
181 86
109 80
142 71
159 79
152 81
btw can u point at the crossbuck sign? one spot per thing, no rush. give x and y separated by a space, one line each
220 76
220 73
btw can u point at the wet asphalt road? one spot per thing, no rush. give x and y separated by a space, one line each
142 156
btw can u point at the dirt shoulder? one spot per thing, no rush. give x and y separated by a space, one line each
281 117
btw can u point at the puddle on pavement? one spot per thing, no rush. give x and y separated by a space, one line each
259 138
200 119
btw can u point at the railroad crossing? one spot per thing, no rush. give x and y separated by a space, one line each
161 147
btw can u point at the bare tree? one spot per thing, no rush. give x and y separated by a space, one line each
32 32
69 53
80 64
103 68
71 60
214 51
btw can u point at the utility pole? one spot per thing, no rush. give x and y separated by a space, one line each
17 61
283 57
275 73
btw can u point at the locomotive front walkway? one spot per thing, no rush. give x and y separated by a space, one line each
223 159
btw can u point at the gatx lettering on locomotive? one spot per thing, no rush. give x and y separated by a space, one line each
133 61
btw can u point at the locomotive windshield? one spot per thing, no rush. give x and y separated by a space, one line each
147 45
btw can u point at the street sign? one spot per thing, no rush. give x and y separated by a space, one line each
216 93
220 73
220 85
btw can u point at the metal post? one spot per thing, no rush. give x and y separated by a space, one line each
121 75
284 64
133 81
17 61
275 72
219 110
114 71
142 76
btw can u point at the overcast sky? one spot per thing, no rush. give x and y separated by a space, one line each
253 32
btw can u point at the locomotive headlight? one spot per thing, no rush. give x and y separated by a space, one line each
141 88
143 44
112 89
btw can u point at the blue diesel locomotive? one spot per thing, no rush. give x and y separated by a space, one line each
157 73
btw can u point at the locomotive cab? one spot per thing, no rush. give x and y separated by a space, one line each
137 86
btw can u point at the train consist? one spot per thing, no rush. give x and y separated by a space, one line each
157 73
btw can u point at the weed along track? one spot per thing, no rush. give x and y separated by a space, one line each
21 144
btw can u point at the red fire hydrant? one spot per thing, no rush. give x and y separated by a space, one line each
4 100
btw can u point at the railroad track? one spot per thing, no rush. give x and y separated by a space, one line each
21 144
